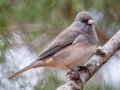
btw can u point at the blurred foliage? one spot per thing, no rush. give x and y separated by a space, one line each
51 81
30 19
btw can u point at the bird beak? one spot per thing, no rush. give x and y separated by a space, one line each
90 21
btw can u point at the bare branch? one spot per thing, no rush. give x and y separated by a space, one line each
101 56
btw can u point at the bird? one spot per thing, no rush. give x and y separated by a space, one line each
71 48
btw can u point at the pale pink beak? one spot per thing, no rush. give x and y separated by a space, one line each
90 21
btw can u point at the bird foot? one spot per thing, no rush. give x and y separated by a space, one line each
73 74
84 68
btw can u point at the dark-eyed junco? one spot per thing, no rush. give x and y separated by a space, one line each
71 48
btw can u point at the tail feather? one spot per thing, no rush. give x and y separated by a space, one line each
32 65
19 72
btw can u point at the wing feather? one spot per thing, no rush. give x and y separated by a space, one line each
63 40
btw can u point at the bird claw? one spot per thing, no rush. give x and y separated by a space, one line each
73 74
68 73
84 68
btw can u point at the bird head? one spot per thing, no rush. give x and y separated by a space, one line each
84 17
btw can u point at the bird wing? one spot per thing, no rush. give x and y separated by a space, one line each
63 40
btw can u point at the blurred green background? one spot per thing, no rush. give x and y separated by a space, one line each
27 26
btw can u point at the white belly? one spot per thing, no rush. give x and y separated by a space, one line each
73 56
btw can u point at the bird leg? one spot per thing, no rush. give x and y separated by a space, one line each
73 74
69 71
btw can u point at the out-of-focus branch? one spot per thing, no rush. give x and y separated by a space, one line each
67 11
116 13
102 34
101 56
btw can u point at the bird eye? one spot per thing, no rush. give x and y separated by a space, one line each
83 20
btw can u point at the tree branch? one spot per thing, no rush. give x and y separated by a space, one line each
100 57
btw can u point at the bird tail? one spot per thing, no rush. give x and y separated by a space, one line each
32 65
